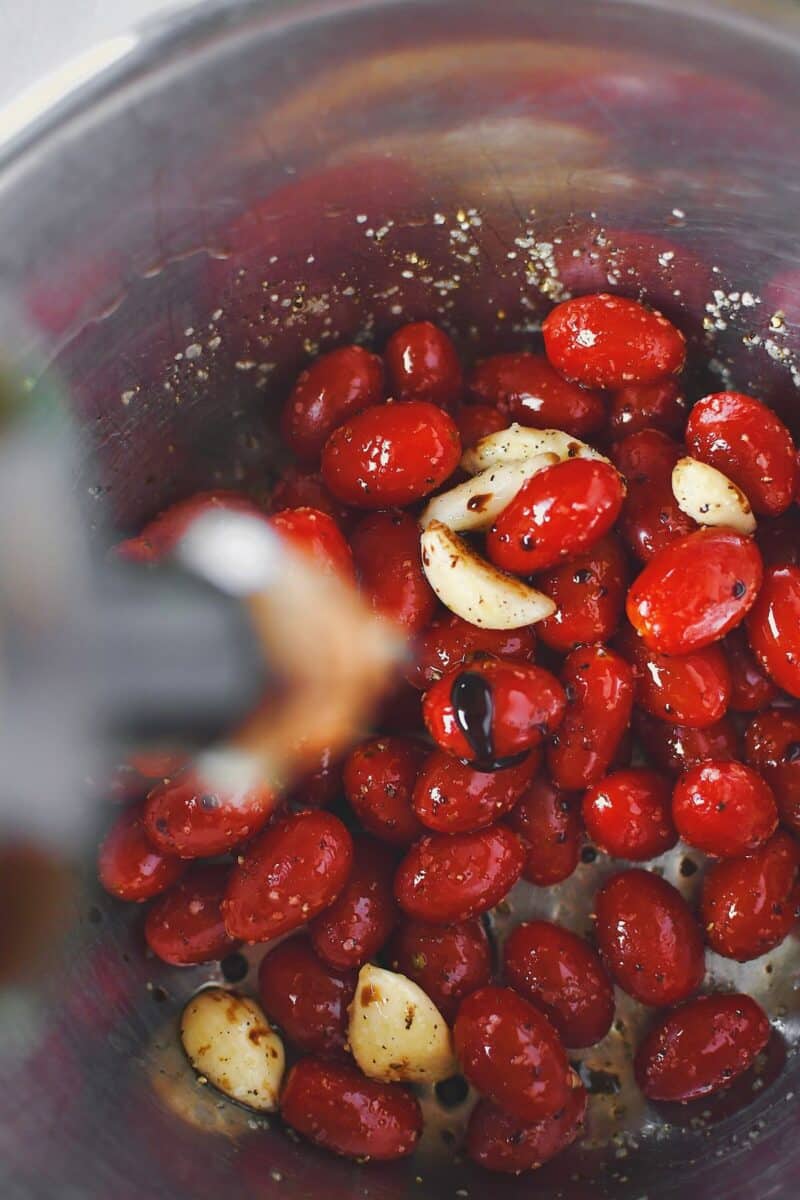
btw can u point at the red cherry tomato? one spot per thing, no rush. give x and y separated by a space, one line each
447 961
688 689
387 557
608 341
423 365
724 808
446 878
335 1106
561 974
477 421
331 391
160 536
379 778
772 746
318 788
751 689
525 388
650 518
628 814
561 511
701 1047
450 797
297 488
512 1054
185 925
589 591
354 928
317 535
547 821
129 867
638 406
499 1142
185 817
599 687
449 641
306 998
744 439
291 872
391 454
778 539
694 590
489 710
773 627
649 939
676 748
749 904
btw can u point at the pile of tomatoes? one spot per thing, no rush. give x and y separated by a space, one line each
658 700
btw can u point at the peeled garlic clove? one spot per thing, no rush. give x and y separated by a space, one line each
396 1032
229 1041
475 503
518 443
709 497
475 590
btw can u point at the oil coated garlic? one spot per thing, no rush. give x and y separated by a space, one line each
474 589
229 1042
518 443
710 497
476 502
396 1032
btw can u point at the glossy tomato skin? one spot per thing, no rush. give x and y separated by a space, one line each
526 388
477 421
386 551
447 878
676 748
745 440
447 961
589 591
701 1047
560 512
451 797
129 866
319 787
298 488
184 817
422 364
490 710
316 534
497 1141
747 904
329 392
724 808
695 590
772 746
307 998
391 454
185 925
599 684
649 939
638 406
291 872
751 687
685 689
160 536
628 814
562 975
336 1107
650 517
379 778
547 820
512 1054
773 627
608 342
449 640
358 922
